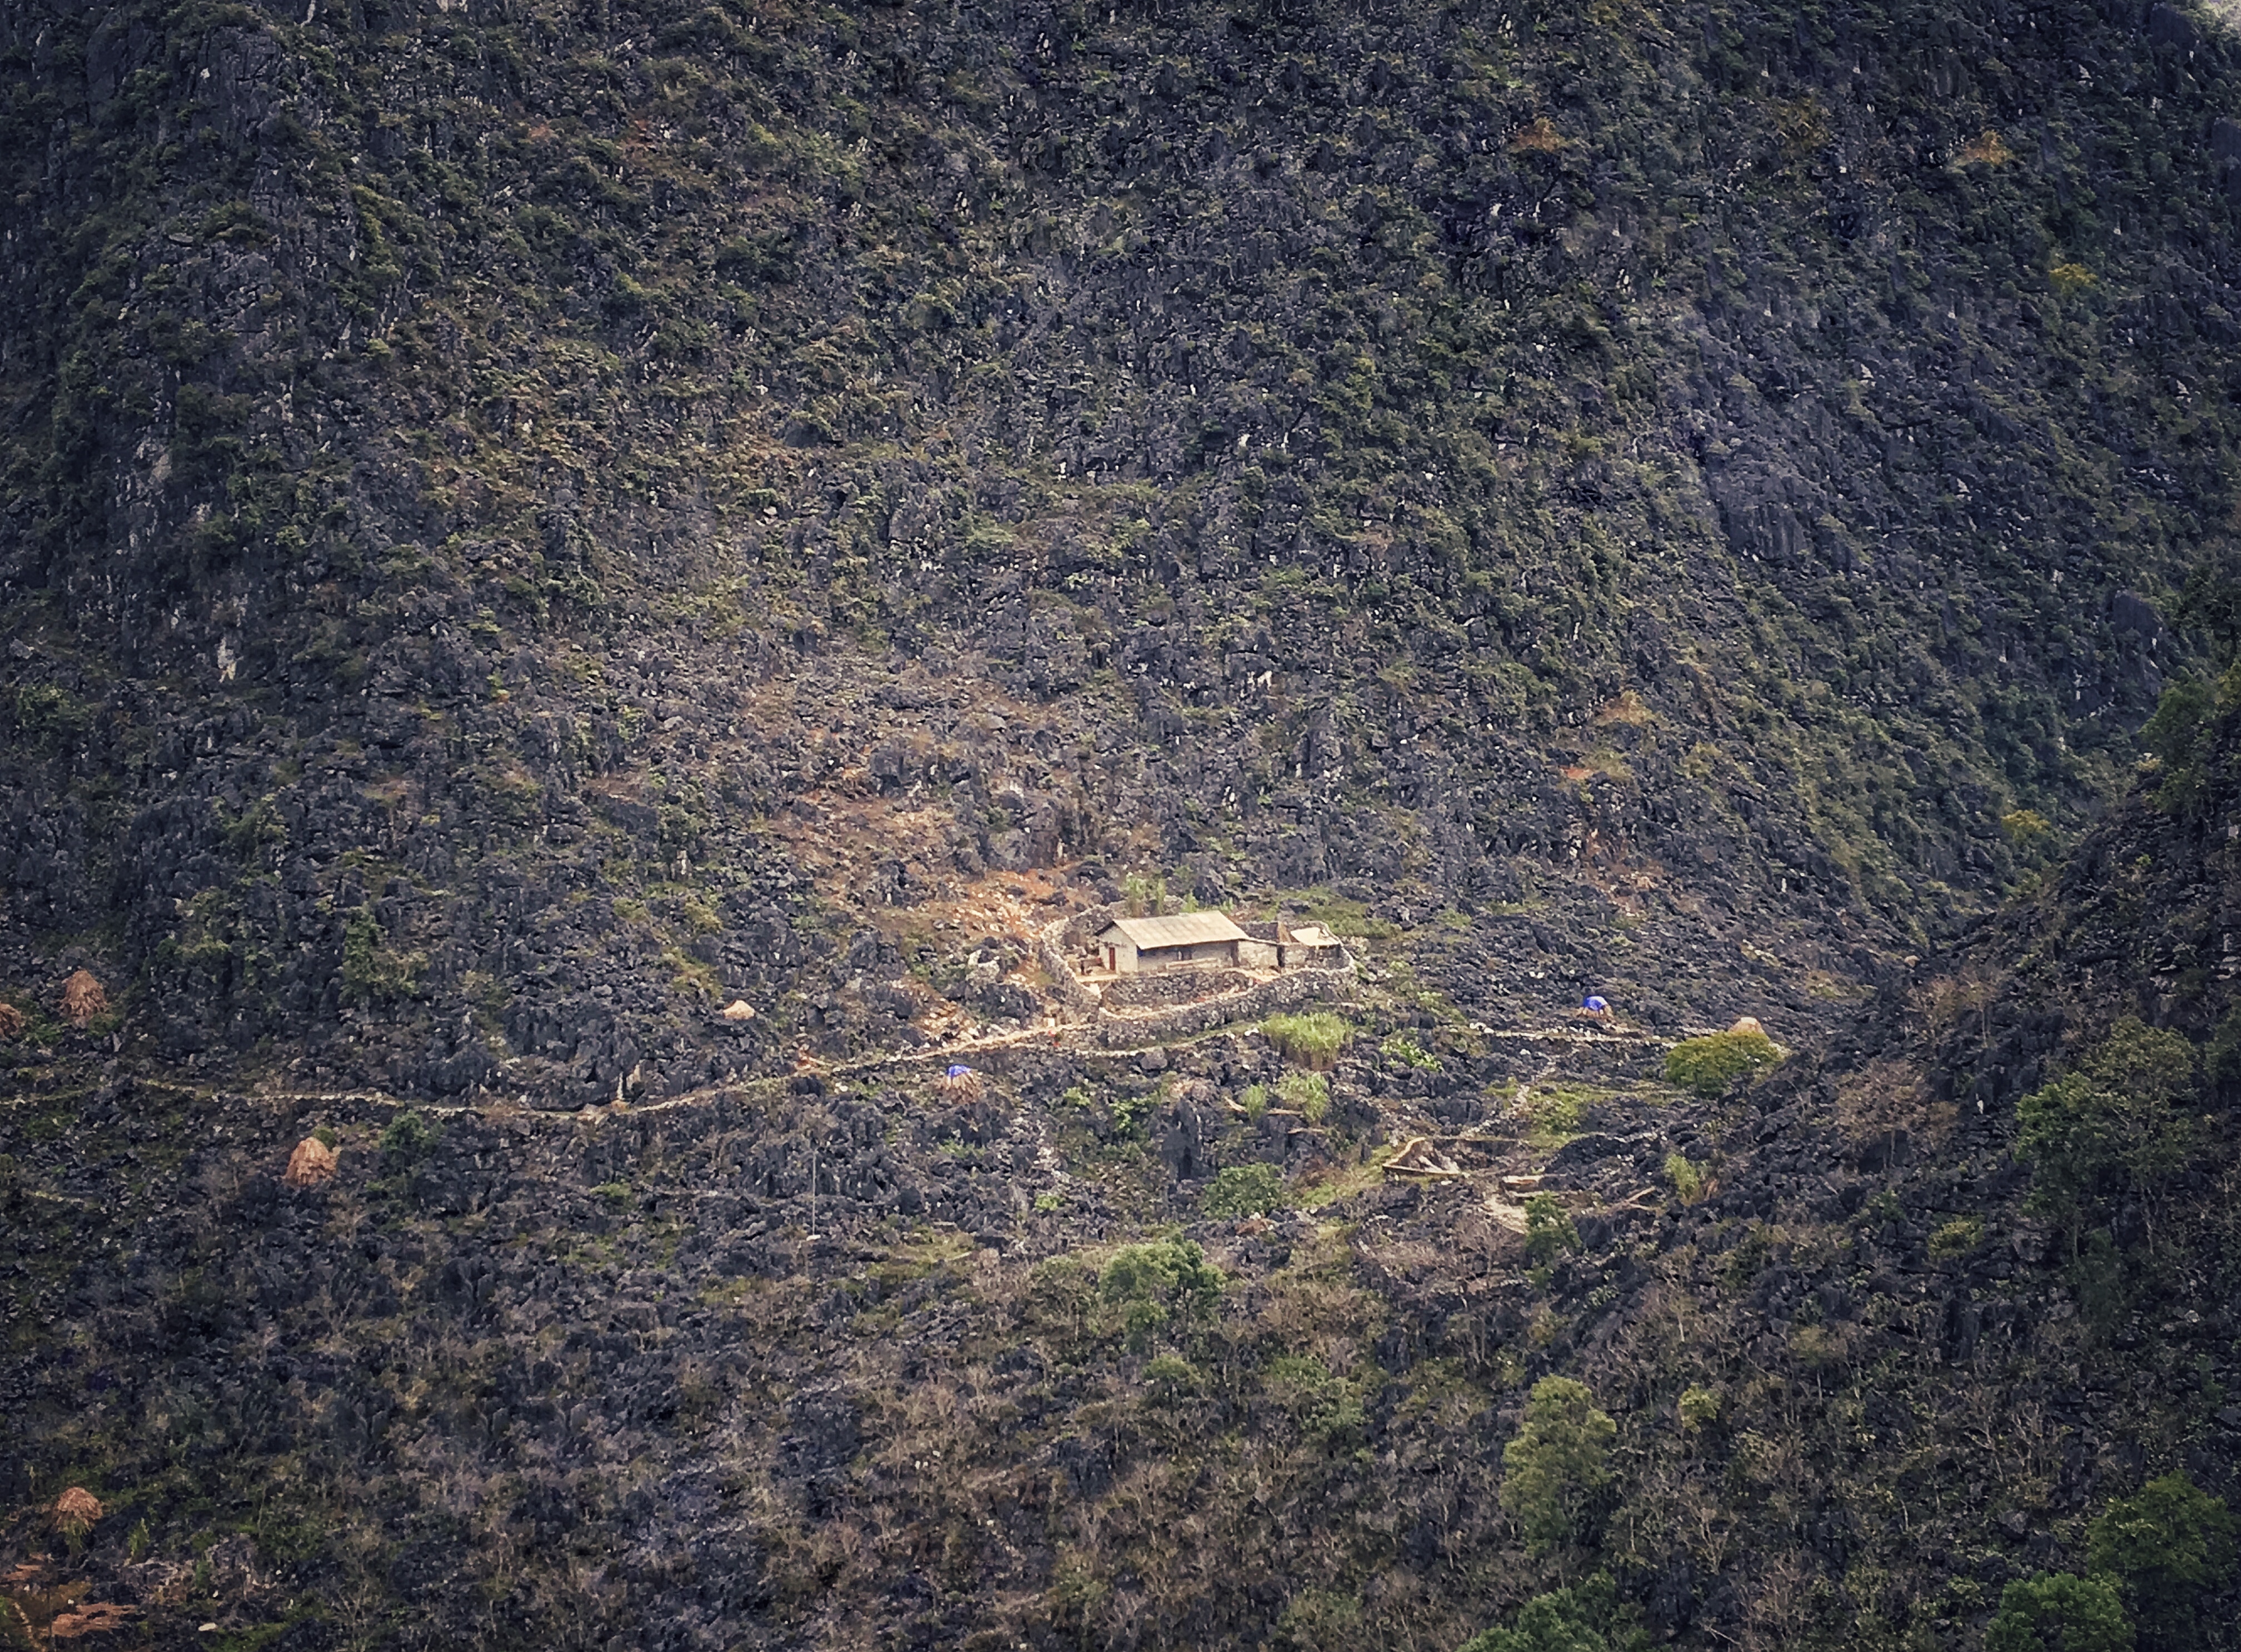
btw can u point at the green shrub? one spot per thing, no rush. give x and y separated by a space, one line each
1710 1064
1687 1179
1255 1101
1554 1473
1698 1407
1129 1111
1328 1409
1568 1620
1549 1231
1169 1378
1957 1238
409 1136
1145 896
1404 1049
46 713
361 940
1313 1041
1245 1190
1306 1094
372 973
1815 1347
2055 1612
1315 1618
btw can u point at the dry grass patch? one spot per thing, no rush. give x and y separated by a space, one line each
1890 1098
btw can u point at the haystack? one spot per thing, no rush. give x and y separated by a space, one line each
75 1511
311 1163
1747 1024
738 1009
84 998
12 1021
959 1084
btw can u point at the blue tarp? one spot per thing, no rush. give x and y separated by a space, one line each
1594 1005
956 1072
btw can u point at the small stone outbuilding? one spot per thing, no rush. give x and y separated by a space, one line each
1191 939
1309 946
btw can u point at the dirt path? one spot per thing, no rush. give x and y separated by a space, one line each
1079 1035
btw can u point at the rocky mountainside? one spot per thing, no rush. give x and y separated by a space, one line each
523 518
1164 1348
524 524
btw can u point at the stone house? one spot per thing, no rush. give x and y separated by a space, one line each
1130 946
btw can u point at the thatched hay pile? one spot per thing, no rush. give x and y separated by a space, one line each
738 1009
12 1021
311 1163
84 998
75 1511
1747 1024
959 1084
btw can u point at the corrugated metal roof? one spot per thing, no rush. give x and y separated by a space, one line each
1185 929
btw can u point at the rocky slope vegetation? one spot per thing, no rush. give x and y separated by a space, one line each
524 524
1156 1348
521 519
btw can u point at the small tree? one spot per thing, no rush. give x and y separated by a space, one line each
2165 1546
408 1136
1150 1286
1567 1620
1556 1469
1549 1231
2111 1125
2057 1612
1245 1190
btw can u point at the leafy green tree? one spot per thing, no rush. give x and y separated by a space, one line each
2111 1125
2167 1547
2182 732
2057 1612
1568 1620
2174 732
1152 1285
1554 1470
